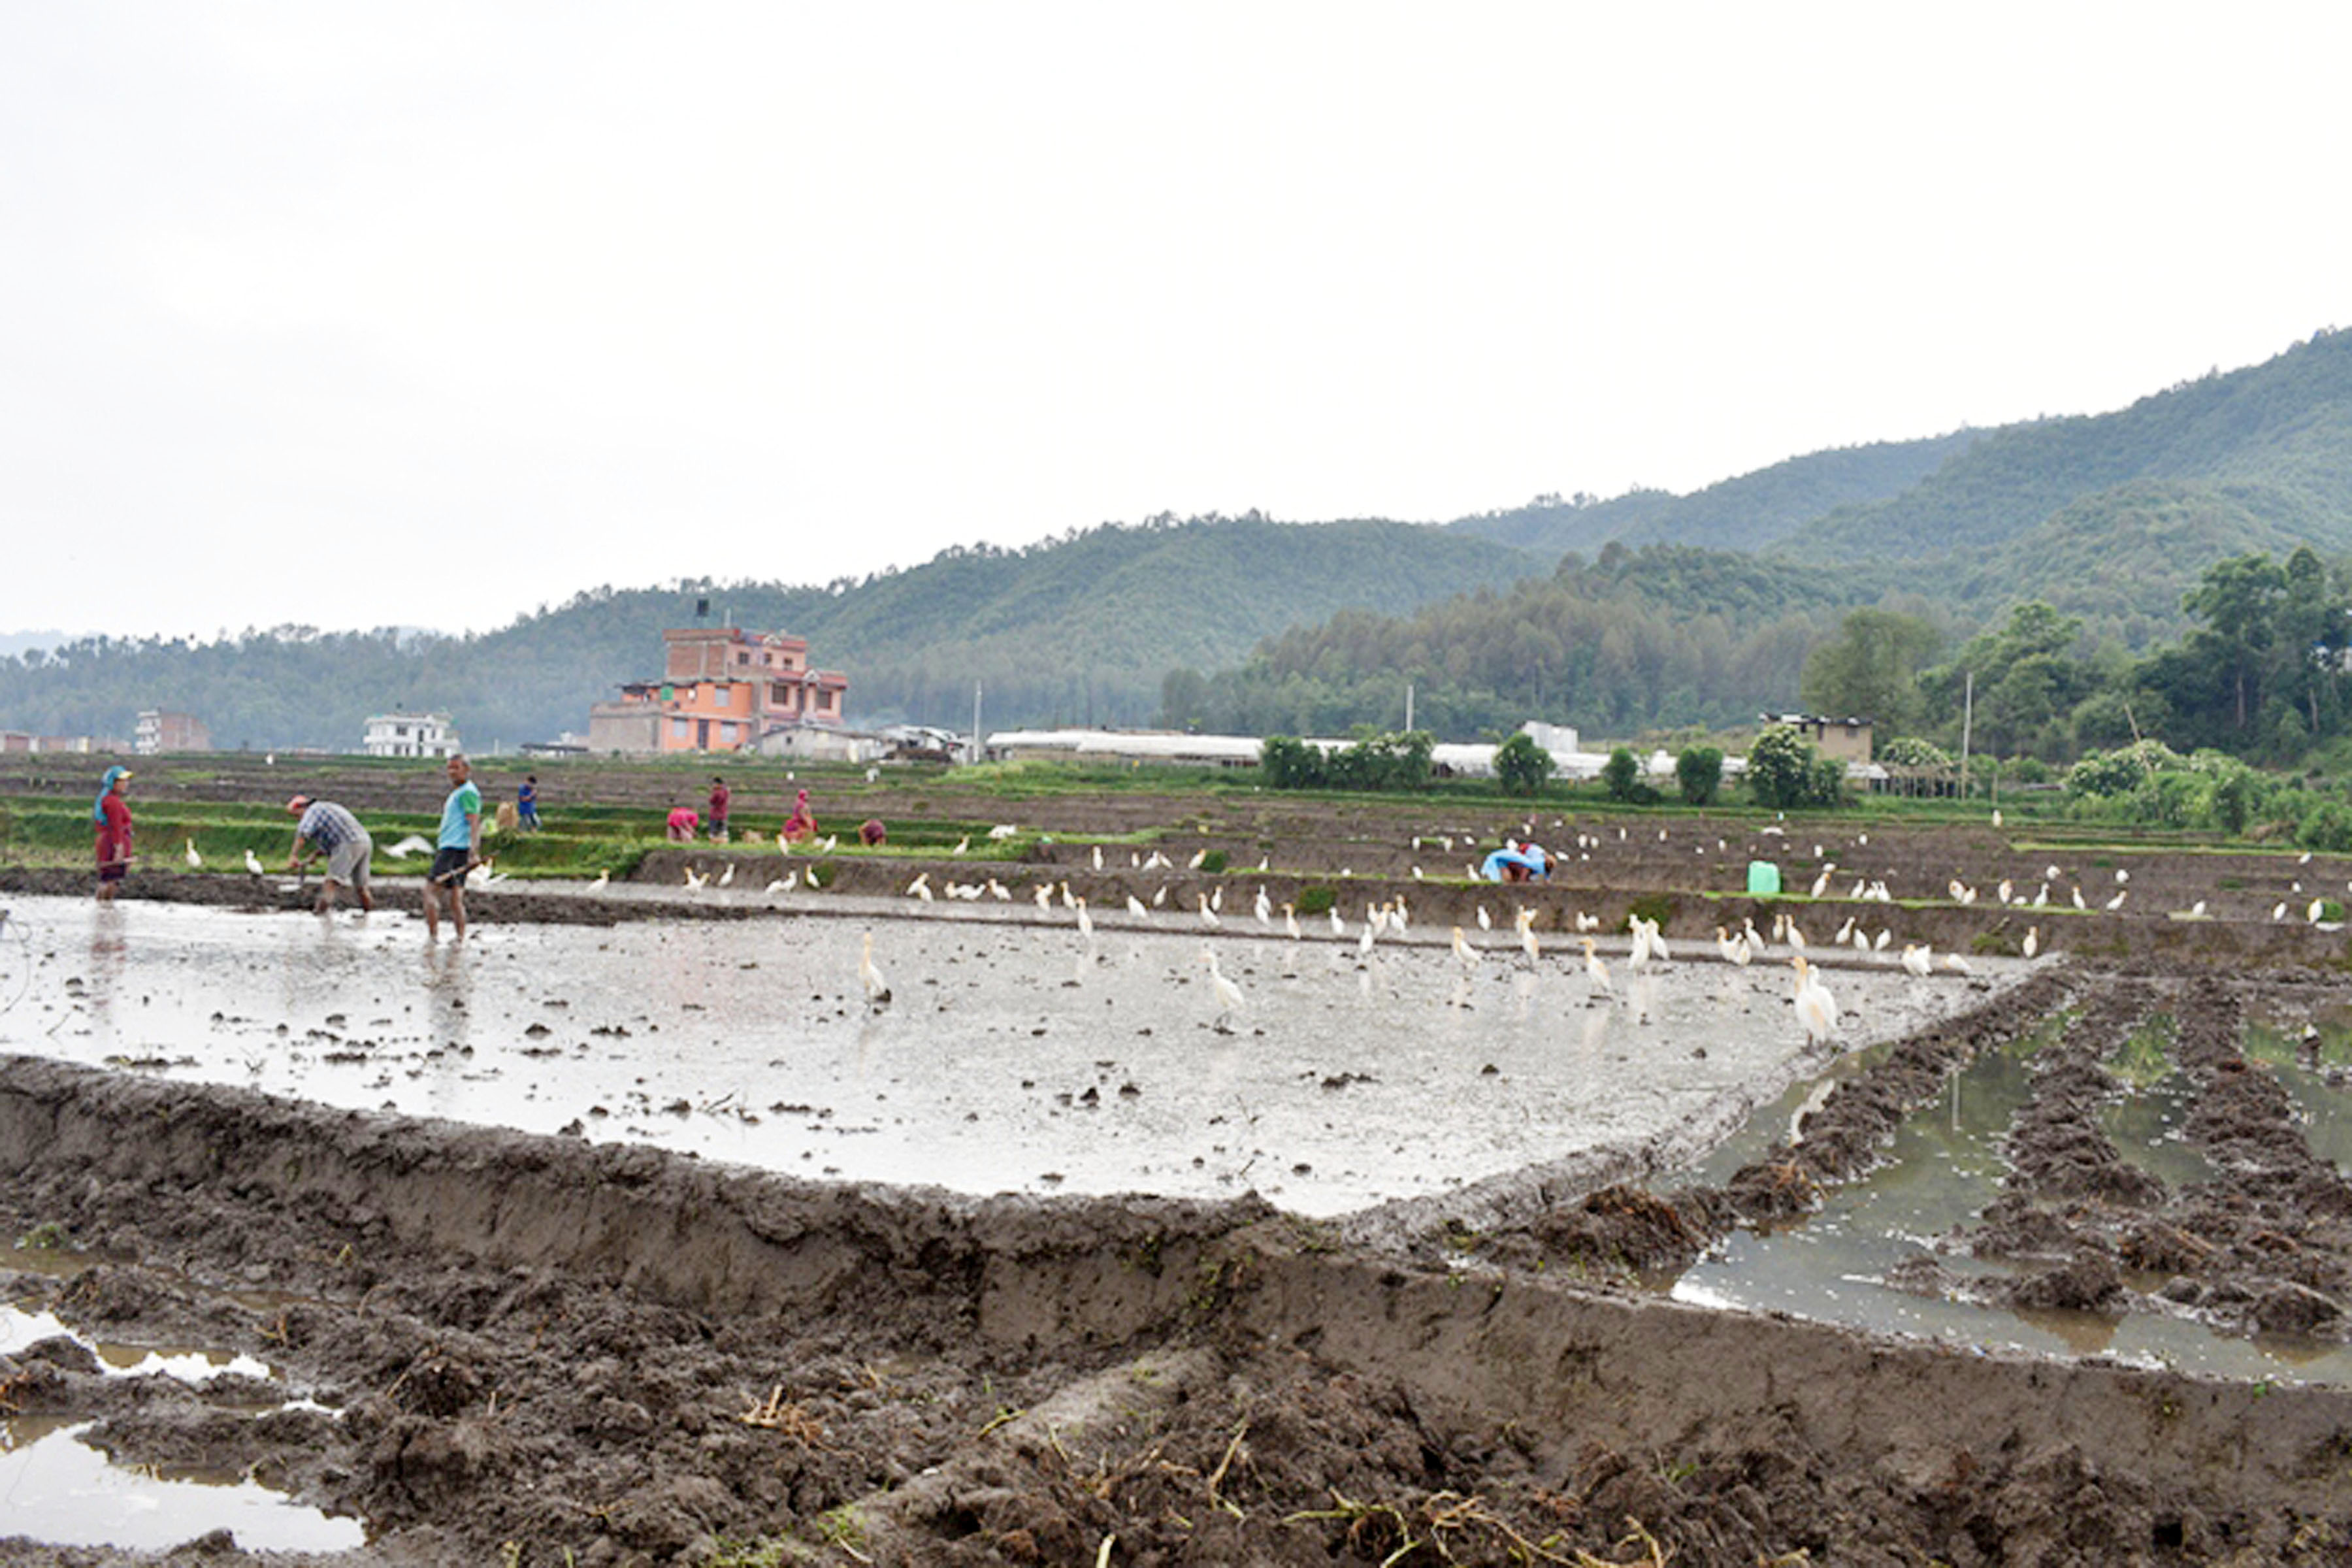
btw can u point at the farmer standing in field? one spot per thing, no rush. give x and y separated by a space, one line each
111 816
335 833
458 850
720 798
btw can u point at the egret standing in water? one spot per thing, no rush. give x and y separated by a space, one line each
1229 995
1595 970
1816 1008
877 990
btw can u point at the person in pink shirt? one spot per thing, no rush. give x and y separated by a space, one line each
109 815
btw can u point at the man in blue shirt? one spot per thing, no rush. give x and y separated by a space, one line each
456 851
335 833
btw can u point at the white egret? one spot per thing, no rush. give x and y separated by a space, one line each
1816 1008
1229 995
877 990
253 863
604 879
196 861
1595 971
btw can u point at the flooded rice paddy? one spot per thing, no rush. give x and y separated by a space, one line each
1946 1163
1016 1054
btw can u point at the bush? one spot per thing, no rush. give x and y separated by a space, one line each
1621 772
1382 762
1784 771
1290 762
1910 752
2112 773
1698 773
2327 829
1522 766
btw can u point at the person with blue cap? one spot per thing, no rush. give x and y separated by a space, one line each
109 815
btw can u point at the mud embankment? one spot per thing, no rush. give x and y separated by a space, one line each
604 1354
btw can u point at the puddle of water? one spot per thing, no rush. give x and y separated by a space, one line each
1017 1054
1944 1166
2322 1093
190 1365
57 1489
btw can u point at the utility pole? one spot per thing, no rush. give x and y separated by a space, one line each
1968 722
974 747
1408 707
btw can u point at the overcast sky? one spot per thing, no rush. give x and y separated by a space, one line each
425 314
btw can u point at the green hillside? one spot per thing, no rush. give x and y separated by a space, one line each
1079 629
1746 512
2278 434
1666 632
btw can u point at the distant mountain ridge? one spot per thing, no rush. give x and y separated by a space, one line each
1080 629
2107 516
1693 607
1748 512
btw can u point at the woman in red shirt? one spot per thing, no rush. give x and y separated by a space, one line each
111 816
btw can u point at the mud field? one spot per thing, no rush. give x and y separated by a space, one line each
385 1333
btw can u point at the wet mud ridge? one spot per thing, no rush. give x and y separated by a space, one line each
537 1351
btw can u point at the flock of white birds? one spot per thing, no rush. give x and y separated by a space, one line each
1391 919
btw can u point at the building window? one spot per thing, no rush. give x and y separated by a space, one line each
680 729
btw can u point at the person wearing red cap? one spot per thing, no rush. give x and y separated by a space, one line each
330 830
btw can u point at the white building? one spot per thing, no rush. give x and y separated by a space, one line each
412 735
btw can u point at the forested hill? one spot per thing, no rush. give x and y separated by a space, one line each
2108 517
2274 441
1746 512
1078 629
1664 634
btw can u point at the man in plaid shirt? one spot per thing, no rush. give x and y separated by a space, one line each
335 833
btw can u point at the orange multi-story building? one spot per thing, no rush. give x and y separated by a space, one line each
722 688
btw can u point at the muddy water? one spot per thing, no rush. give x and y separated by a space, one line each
1014 1055
1944 1165
56 1488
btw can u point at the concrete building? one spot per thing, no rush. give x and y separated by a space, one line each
412 735
1840 740
159 732
723 689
